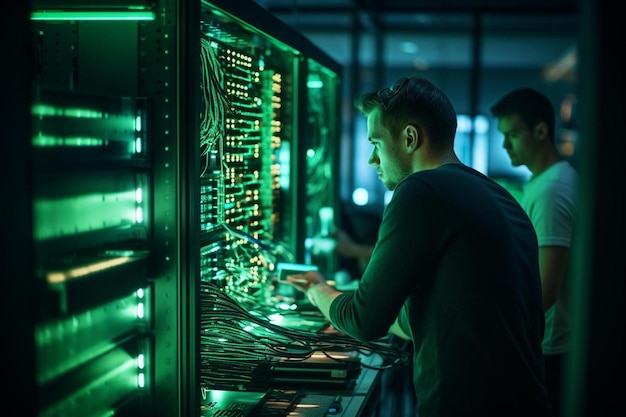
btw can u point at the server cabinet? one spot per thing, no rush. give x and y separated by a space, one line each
113 214
272 130
269 136
168 142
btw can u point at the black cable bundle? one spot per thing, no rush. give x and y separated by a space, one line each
238 344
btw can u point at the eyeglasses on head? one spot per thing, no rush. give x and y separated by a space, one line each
386 94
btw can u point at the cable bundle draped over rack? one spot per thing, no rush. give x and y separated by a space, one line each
245 263
238 344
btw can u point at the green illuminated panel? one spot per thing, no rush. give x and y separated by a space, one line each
67 343
117 128
84 213
52 141
93 15
47 110
117 378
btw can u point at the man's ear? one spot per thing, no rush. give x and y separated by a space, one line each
541 130
413 138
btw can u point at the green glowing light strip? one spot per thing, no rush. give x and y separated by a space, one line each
47 141
43 110
92 15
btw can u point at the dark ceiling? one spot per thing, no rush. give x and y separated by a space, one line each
438 33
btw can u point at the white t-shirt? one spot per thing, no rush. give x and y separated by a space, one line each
550 201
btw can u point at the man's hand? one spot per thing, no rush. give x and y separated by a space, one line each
306 280
314 285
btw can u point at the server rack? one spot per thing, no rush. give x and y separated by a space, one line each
281 101
117 176
269 152
114 207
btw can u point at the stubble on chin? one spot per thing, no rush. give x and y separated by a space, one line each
390 185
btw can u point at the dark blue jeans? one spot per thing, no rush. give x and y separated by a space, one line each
554 380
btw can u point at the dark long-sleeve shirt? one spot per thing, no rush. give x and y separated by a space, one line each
457 263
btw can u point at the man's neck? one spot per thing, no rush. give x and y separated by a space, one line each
545 162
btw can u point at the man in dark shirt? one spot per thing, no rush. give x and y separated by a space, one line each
455 268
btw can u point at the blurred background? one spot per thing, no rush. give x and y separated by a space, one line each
474 51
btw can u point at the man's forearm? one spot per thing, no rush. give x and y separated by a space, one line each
322 295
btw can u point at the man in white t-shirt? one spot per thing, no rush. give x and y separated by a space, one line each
526 118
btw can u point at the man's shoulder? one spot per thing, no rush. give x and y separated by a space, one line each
565 170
